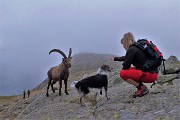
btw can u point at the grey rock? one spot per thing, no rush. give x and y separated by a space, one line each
121 105
166 78
172 65
178 75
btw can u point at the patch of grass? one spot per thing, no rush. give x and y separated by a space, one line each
4 99
15 98
92 99
74 100
88 98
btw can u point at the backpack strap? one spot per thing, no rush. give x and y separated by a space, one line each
140 44
140 82
154 83
164 66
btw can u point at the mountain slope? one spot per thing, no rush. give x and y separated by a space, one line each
85 64
161 103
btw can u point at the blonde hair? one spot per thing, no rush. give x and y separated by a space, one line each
127 40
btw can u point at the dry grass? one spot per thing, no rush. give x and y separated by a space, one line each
15 98
92 99
9 99
89 98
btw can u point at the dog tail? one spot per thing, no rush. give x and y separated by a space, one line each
72 85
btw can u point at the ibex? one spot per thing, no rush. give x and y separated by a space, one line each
60 72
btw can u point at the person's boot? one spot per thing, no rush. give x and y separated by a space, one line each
143 90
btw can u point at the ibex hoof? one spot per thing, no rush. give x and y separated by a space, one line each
47 94
67 93
59 94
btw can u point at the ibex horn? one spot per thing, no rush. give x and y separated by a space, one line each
59 51
70 52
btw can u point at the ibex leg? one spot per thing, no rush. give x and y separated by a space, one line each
49 83
53 82
60 86
65 83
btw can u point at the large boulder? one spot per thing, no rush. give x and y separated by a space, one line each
166 78
172 65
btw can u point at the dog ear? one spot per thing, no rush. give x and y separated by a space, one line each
103 66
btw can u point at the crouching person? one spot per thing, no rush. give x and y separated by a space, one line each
135 75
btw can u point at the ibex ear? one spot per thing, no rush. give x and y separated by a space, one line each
70 52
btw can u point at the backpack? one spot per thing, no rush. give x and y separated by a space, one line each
154 56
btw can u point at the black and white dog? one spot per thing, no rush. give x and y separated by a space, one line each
99 81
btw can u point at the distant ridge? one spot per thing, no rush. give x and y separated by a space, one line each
91 61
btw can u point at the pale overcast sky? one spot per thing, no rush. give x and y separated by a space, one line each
29 29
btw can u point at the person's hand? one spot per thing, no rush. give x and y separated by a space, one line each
111 58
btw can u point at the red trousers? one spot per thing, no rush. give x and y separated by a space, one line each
135 75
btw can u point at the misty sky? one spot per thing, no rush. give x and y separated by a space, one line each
29 29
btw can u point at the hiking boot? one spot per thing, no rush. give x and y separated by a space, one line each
140 92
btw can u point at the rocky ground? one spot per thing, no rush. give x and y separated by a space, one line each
161 103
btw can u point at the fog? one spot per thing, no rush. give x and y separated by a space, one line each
29 29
